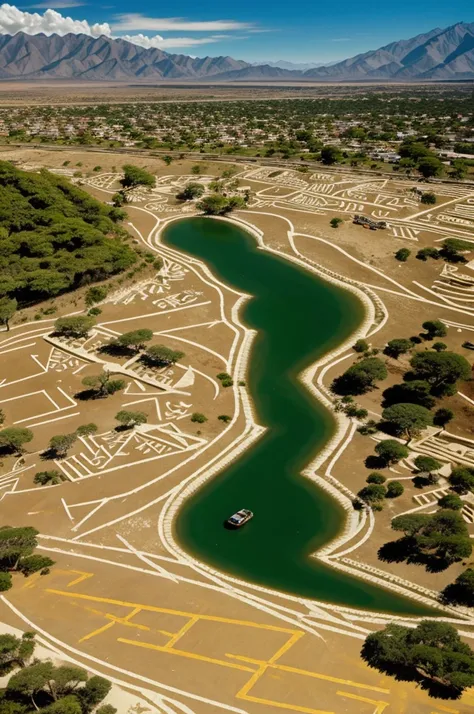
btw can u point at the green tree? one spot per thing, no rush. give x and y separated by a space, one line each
8 307
461 592
430 166
5 581
94 692
29 681
402 254
376 477
429 198
43 478
16 651
432 653
427 464
330 155
217 205
13 439
394 489
391 451
136 339
373 493
168 159
95 294
196 169
451 501
361 346
130 419
67 705
59 445
198 417
335 222
87 429
191 191
407 419
163 356
395 348
440 369
435 328
34 563
360 377
75 326
135 176
438 540
442 417
102 384
462 479
440 346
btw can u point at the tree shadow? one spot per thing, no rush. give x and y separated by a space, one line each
87 394
115 349
374 462
397 551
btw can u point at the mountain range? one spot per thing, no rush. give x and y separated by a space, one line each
440 54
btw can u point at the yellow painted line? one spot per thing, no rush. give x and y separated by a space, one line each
105 627
82 576
281 705
316 675
124 621
381 706
181 632
293 639
168 611
165 632
442 708
182 653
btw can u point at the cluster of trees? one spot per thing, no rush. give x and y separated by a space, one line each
191 191
134 342
416 154
41 686
17 546
54 237
59 445
431 654
433 540
451 251
376 492
218 205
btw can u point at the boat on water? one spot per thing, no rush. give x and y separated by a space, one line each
240 518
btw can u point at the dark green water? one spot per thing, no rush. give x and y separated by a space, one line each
299 318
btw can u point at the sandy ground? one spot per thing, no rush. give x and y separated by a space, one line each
216 642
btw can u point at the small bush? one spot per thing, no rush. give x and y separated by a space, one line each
394 489
225 418
376 477
198 417
402 255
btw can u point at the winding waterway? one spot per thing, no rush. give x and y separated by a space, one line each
299 317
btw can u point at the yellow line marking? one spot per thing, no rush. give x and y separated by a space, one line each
181 632
281 705
182 653
445 709
82 576
292 640
381 706
316 675
124 621
165 632
99 630
168 611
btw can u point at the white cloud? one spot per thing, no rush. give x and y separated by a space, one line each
61 4
169 42
135 21
13 20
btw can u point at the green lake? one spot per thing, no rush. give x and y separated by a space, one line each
299 317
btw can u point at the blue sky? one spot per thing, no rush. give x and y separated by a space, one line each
303 31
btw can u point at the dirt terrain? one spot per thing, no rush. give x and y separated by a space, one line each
198 640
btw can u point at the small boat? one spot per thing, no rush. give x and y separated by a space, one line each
240 518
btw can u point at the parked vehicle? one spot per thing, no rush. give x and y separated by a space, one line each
240 518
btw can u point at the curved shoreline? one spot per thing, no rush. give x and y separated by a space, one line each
254 431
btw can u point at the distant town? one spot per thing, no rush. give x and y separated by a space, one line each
367 128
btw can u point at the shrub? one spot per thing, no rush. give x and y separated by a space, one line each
403 254
451 501
391 451
397 347
198 417
394 489
442 417
427 464
429 198
45 477
225 418
376 477
34 563
360 377
435 328
361 346
335 222
162 356
373 493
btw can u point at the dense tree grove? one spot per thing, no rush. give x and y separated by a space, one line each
54 237
431 653
41 686
17 546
